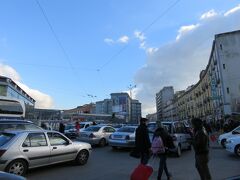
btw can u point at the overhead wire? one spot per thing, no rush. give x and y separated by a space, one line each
144 30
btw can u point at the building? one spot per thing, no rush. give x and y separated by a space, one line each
152 117
121 105
9 88
136 111
162 97
47 114
217 93
104 107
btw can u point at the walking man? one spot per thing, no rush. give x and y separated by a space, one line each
200 144
142 141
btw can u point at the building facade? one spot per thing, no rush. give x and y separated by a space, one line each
10 89
104 107
136 111
162 97
121 105
217 93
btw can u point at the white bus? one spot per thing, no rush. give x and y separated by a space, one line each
11 108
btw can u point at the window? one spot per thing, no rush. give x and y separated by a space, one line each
228 90
221 46
5 137
35 140
57 139
224 66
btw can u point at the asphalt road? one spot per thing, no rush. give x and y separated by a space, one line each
108 164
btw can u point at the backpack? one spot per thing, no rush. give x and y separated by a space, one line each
157 145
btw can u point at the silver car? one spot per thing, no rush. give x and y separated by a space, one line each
23 150
123 137
97 135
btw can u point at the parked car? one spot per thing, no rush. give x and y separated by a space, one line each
233 145
181 136
23 150
123 137
97 134
223 138
85 125
70 131
9 176
10 124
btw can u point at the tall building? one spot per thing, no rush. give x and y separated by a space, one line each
162 97
136 111
217 93
104 107
121 105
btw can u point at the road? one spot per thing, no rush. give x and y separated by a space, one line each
108 164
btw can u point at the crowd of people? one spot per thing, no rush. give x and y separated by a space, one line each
162 143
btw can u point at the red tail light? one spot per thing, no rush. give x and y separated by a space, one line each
174 138
2 152
92 135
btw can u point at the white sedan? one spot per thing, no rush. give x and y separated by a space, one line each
234 133
233 145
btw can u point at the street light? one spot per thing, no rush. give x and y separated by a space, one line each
131 87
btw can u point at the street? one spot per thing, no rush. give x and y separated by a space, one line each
108 164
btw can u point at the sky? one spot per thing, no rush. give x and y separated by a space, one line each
69 53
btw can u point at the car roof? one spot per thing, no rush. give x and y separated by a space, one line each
86 122
131 126
3 121
27 131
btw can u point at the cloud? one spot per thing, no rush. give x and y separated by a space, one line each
178 63
185 30
208 14
42 100
232 11
139 35
124 39
108 41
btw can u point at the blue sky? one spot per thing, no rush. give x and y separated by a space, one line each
91 32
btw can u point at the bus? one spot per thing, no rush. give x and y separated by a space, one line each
11 108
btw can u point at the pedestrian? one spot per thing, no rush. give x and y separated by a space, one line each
77 127
159 147
142 141
200 144
61 128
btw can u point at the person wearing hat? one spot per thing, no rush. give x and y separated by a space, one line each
201 148
142 141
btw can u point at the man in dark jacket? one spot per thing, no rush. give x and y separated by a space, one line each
142 141
200 144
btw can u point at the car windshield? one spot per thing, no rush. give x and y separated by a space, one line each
69 127
5 137
93 129
127 129
117 126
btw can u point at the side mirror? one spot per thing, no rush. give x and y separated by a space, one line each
235 132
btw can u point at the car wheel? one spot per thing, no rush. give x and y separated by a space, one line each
237 150
179 151
223 141
82 157
102 142
18 167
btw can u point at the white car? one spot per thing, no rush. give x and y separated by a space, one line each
85 125
233 145
222 138
97 134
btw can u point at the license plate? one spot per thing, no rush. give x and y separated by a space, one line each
118 136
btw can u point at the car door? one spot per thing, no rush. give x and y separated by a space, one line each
61 149
107 131
36 149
